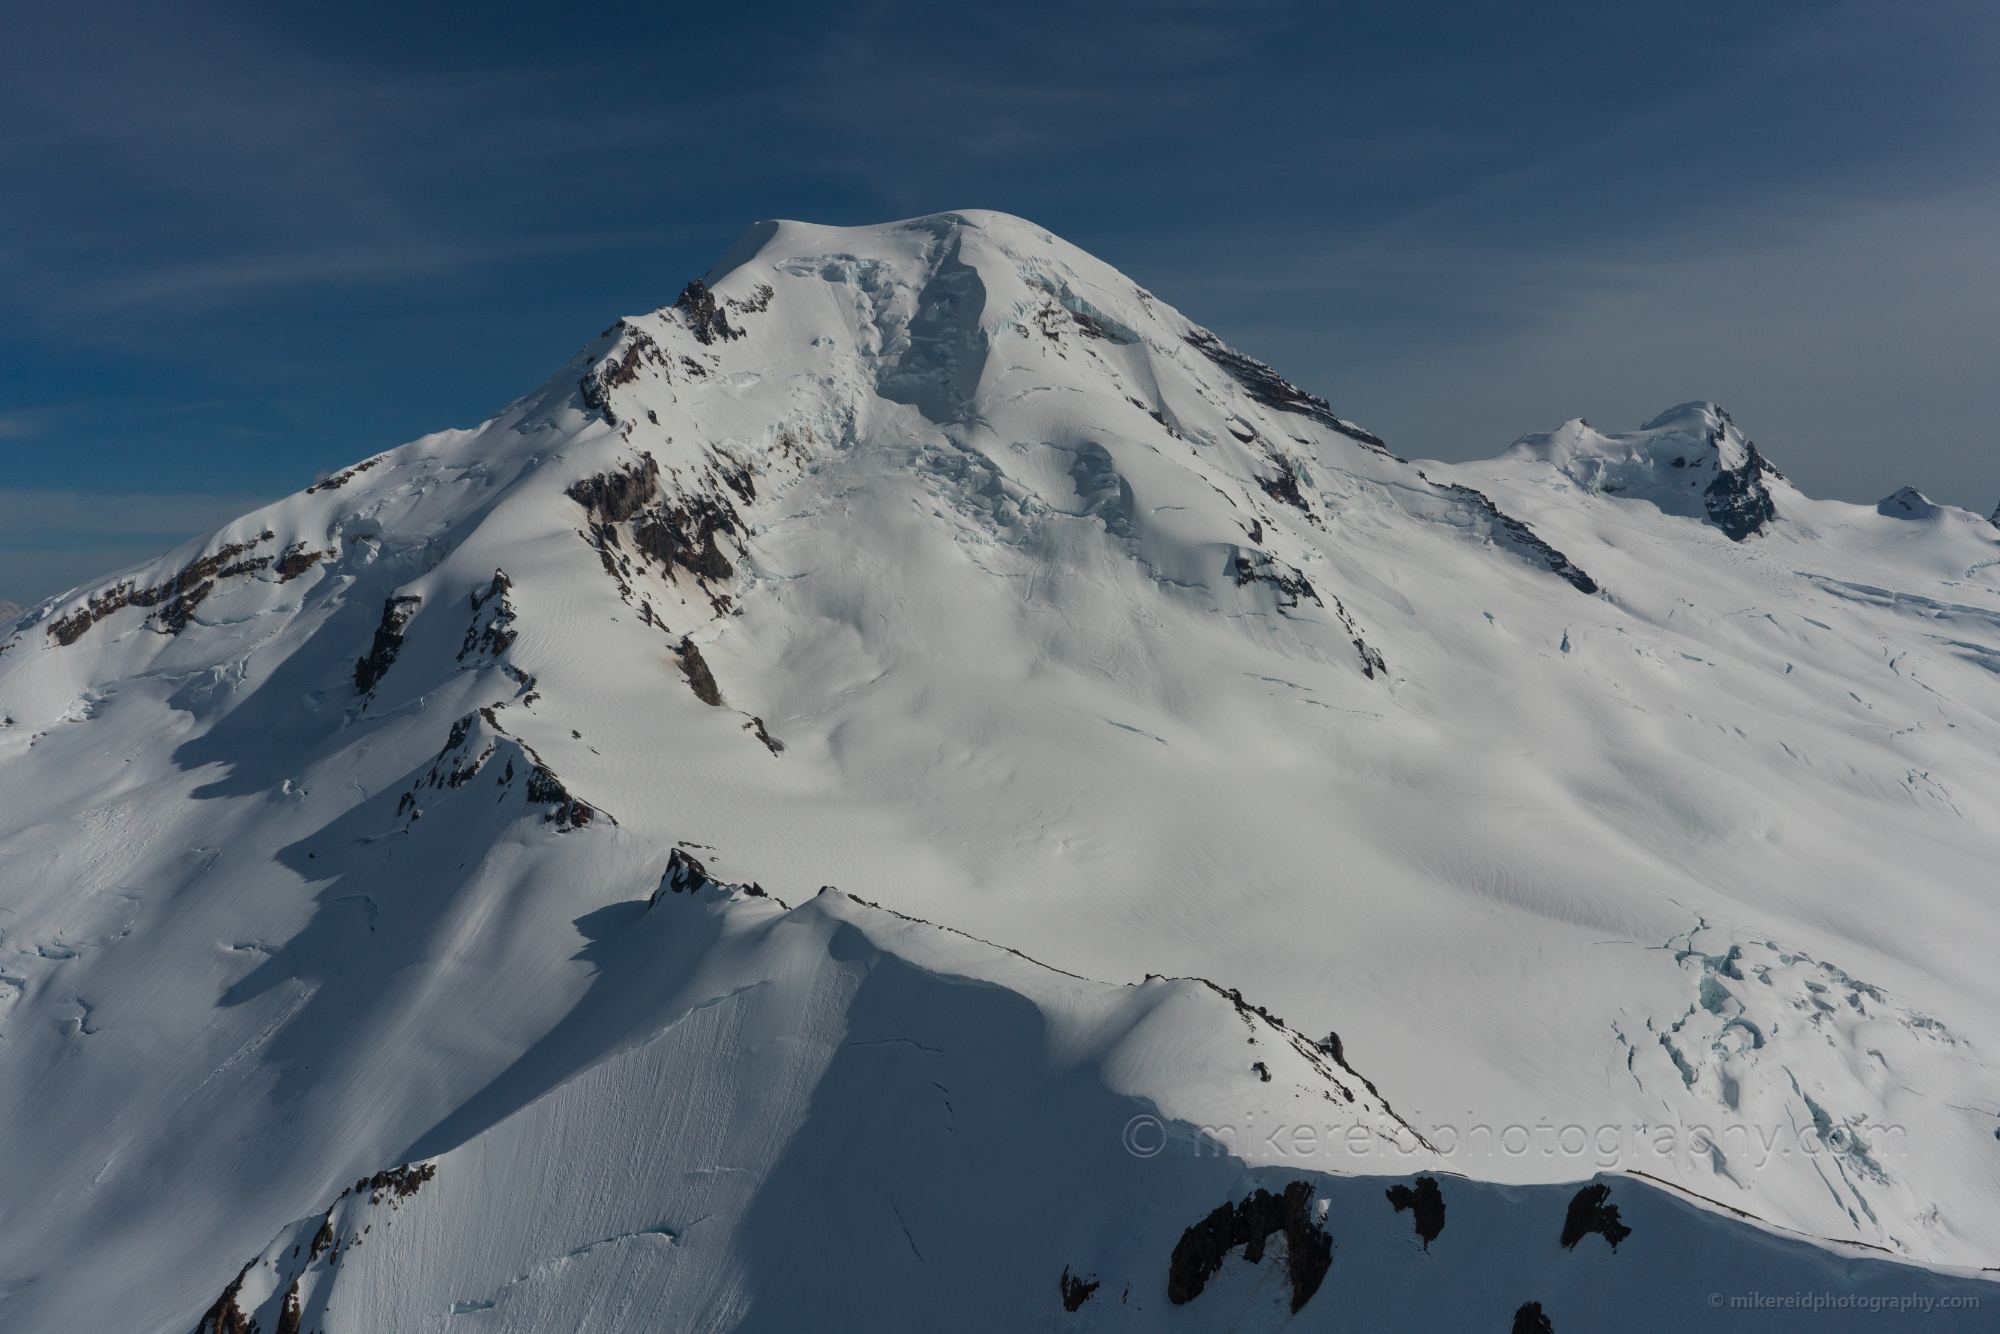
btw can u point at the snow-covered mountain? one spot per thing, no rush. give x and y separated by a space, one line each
416 902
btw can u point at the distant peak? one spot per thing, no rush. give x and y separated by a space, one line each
1908 503
1690 460
1911 504
1698 433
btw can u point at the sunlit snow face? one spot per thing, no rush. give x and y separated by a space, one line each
953 569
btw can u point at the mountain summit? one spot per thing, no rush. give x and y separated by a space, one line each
419 898
1689 460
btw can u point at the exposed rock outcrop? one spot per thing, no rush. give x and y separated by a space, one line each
771 743
545 789
1511 532
290 1315
704 318
492 633
1273 390
684 875
1426 1205
1259 567
635 350
700 679
342 478
176 599
1076 1290
226 1317
1530 1320
1249 1224
1284 488
680 529
396 1183
1588 1213
397 613
1738 501
614 497
296 561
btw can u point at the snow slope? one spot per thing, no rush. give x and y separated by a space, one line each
1621 808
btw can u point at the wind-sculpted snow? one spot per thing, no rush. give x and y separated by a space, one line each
831 1117
1625 811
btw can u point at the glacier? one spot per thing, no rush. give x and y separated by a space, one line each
910 783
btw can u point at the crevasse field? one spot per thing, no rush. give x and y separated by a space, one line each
902 790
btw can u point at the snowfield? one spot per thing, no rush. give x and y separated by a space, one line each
417 902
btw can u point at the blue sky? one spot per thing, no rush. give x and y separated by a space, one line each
243 244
